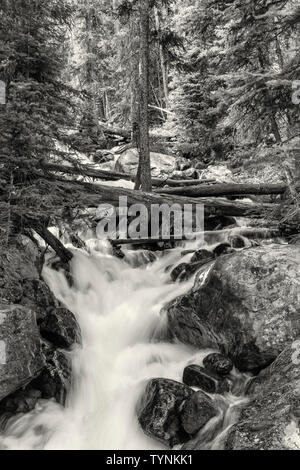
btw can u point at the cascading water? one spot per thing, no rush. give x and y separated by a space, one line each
124 344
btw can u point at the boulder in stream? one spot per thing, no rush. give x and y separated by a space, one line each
159 411
247 307
218 364
271 420
197 376
61 328
196 412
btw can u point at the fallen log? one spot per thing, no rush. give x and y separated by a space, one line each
115 130
62 252
226 189
259 234
89 171
126 133
96 194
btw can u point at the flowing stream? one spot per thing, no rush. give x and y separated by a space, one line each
118 306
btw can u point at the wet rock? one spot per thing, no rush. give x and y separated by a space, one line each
196 412
238 241
222 249
159 411
204 256
161 165
21 401
55 378
38 296
21 356
247 307
61 328
184 271
197 376
271 419
218 364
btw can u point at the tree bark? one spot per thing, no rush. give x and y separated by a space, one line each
225 189
135 61
145 165
87 171
163 60
96 194
62 252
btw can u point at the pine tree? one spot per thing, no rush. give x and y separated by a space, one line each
38 106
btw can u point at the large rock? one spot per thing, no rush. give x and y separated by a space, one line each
196 412
21 358
196 376
218 364
220 173
248 307
159 411
161 165
271 420
61 328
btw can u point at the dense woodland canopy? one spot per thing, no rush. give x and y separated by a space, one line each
221 77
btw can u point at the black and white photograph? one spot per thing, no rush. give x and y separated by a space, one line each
150 228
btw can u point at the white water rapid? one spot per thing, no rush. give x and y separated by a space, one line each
124 340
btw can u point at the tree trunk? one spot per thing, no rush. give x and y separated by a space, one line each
135 61
96 194
145 165
90 172
163 60
64 254
225 189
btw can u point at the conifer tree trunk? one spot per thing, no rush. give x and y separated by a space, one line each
135 61
163 60
144 172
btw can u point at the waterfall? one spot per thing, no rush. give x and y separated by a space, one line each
124 344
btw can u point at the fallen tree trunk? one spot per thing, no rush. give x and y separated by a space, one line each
126 133
89 171
244 232
62 252
97 194
115 130
225 189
